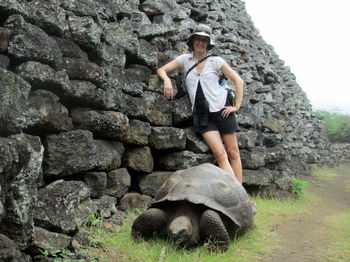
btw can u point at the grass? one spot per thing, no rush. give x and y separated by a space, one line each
256 243
324 173
337 225
339 247
248 246
339 231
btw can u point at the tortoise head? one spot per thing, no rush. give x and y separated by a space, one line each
180 229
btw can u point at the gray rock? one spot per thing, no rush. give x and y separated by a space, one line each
195 143
163 19
42 258
96 181
85 93
139 159
113 223
29 42
69 153
158 109
108 154
135 19
84 31
139 132
14 7
283 181
4 62
126 80
2 204
104 207
107 55
81 240
156 85
69 48
69 212
182 160
119 36
254 158
42 76
127 6
104 124
133 107
168 55
182 111
153 7
247 120
150 183
14 95
142 72
271 140
275 154
274 126
82 69
147 53
247 139
103 9
167 138
118 182
49 16
135 200
51 242
46 115
9 250
176 11
152 30
260 177
20 167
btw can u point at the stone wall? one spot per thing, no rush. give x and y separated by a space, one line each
86 130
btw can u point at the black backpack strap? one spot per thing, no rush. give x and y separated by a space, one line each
200 61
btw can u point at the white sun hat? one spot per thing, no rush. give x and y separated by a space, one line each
202 30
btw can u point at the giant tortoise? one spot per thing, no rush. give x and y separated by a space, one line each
197 204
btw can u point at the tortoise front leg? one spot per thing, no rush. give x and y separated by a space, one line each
212 228
148 222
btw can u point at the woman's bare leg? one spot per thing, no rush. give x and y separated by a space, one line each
234 157
214 141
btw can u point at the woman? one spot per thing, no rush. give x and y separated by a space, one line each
218 127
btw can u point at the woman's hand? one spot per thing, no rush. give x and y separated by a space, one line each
227 110
168 89
162 73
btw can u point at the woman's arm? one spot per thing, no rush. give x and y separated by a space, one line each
238 82
162 73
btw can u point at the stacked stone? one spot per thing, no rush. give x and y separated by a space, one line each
85 128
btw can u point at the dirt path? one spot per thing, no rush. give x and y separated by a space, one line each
303 236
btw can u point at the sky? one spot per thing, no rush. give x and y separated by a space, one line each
312 37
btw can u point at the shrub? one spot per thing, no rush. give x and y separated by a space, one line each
337 126
298 186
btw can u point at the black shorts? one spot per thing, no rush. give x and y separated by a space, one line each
225 125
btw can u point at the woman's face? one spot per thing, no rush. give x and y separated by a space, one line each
200 43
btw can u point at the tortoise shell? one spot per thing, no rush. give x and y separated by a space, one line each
211 186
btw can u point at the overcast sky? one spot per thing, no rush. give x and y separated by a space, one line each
313 38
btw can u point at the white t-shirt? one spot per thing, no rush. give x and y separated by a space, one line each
209 79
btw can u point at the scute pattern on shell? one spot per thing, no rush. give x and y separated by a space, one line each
211 186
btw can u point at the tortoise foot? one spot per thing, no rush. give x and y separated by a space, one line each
212 228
